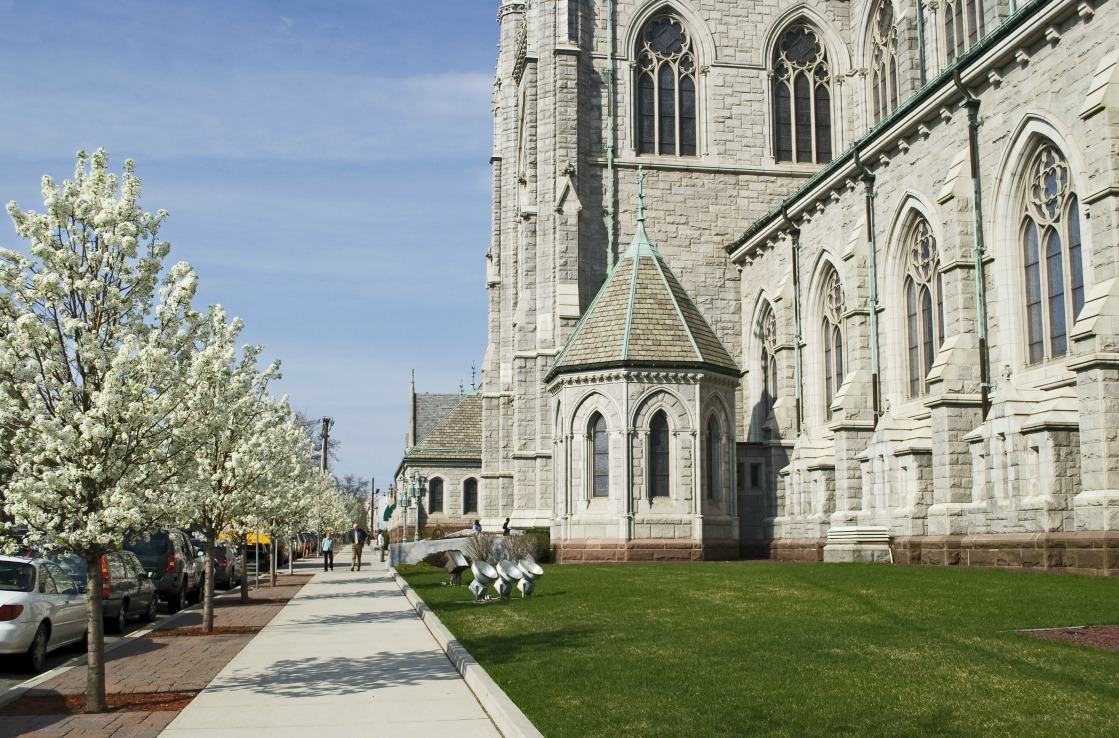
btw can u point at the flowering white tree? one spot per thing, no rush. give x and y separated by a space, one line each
280 494
94 363
329 511
228 420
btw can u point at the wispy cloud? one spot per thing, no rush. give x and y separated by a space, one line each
292 116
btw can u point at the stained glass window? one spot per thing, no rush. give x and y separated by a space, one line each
832 336
658 455
667 106
600 445
801 98
924 304
1051 255
883 61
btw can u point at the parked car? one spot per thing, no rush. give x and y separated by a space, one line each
227 562
172 562
126 589
41 609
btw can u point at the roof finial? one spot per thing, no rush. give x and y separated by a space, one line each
640 194
473 377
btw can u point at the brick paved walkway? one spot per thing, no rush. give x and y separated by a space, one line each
158 662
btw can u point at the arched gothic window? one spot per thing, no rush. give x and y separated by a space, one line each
924 304
600 450
801 98
883 61
769 360
833 339
1052 255
666 89
435 496
658 455
963 25
713 444
470 496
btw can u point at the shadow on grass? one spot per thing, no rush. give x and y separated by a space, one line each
505 649
314 677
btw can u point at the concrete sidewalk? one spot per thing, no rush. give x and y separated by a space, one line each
348 652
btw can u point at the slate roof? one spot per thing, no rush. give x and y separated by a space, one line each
457 436
643 317
430 409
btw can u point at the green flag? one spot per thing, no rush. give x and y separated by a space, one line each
388 512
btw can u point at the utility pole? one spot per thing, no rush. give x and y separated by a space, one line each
327 423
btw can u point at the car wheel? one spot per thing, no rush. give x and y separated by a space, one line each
149 614
175 602
116 625
194 596
37 652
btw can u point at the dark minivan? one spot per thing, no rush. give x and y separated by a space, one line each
172 563
126 589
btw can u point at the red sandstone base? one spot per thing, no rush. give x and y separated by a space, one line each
590 551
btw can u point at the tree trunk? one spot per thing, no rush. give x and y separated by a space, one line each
244 574
95 650
208 582
275 556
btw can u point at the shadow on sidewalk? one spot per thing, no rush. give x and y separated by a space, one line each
353 618
313 677
351 595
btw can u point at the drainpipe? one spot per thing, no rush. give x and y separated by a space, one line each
795 233
972 104
611 76
921 40
872 299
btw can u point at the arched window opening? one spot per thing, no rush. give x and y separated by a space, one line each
883 61
600 449
667 107
470 496
1052 256
924 305
769 361
832 336
963 26
658 455
435 496
713 456
801 98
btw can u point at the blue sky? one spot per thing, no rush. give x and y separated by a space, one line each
325 165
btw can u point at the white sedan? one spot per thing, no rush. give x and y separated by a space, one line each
41 609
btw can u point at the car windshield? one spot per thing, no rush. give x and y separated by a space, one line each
157 544
16 576
72 564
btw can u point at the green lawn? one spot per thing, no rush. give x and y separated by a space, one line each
762 649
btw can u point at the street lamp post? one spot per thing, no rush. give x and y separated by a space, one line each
417 490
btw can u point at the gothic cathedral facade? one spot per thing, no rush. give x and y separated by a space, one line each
869 308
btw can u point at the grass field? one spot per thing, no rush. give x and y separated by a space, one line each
763 649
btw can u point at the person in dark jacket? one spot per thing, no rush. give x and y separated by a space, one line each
357 542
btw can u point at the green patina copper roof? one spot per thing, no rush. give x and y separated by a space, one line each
643 317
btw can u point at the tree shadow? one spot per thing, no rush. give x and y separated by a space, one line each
503 649
355 618
313 677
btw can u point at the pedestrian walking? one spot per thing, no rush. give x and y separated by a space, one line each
328 552
477 526
381 543
505 527
357 542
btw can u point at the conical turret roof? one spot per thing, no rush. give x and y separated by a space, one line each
643 318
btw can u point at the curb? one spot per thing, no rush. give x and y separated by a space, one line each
505 714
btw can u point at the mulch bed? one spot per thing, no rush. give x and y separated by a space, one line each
74 704
1103 637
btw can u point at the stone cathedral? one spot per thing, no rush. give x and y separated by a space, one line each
798 280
